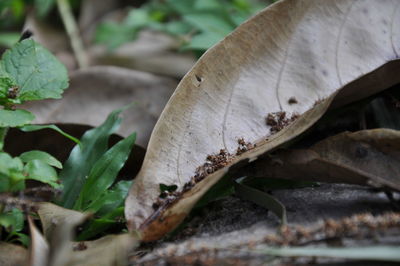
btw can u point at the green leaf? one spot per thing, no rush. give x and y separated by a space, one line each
202 41
38 74
104 172
181 6
81 160
113 34
208 4
8 39
12 221
4 183
40 171
8 164
43 6
210 22
111 199
376 253
19 237
261 198
11 173
176 27
97 226
30 128
41 156
17 118
138 18
221 189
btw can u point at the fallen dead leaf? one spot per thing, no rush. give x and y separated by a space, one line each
53 216
58 249
12 255
97 91
263 85
363 157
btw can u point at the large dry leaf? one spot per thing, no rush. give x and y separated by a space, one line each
362 157
59 226
97 91
53 217
39 248
108 250
286 63
12 255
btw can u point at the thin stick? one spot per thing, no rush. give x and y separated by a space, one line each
72 29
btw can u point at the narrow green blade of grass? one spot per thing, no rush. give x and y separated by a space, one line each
111 199
261 198
98 226
94 144
30 128
221 189
104 172
376 253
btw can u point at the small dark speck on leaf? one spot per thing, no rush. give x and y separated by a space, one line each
199 79
81 246
292 100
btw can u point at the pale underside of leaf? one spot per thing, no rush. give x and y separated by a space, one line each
288 58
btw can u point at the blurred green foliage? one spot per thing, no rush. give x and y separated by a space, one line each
199 24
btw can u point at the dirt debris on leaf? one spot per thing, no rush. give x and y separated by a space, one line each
213 163
244 146
292 100
279 120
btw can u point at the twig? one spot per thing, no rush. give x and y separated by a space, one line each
73 32
360 226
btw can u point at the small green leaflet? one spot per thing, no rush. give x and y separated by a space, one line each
44 6
40 171
7 39
261 198
13 220
30 128
111 199
98 226
37 73
8 164
17 118
41 156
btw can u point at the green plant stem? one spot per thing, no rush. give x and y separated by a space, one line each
3 133
72 29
